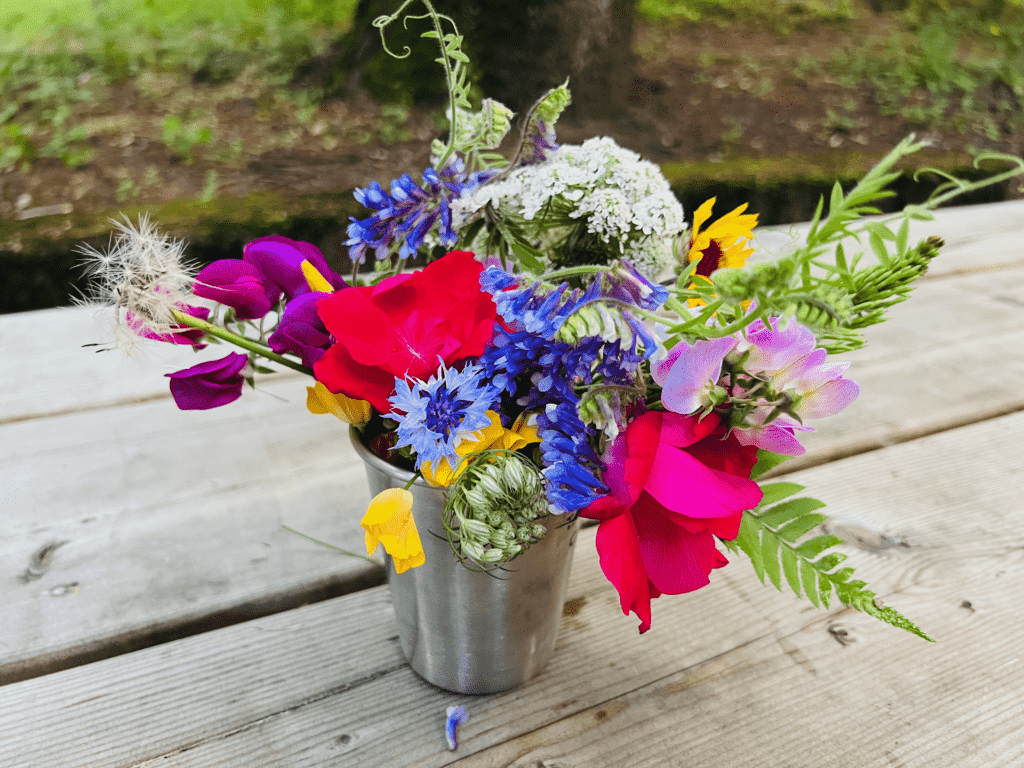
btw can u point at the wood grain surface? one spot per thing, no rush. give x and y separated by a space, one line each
734 674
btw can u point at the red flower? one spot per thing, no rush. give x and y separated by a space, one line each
675 485
402 326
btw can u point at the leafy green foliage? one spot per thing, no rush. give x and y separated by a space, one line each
772 536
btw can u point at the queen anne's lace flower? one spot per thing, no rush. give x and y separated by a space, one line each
622 198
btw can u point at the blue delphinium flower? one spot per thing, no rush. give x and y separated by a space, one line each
410 212
430 414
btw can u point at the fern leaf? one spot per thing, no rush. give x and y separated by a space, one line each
770 536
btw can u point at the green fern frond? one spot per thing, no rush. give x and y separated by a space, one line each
772 536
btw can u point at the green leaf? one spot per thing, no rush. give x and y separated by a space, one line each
829 561
791 567
836 200
787 510
797 528
902 236
811 548
879 248
766 460
748 541
770 553
527 256
809 577
777 492
824 589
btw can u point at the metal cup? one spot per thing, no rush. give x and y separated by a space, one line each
466 631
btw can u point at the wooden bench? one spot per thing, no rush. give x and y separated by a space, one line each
150 542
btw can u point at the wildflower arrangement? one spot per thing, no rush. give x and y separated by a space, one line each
570 348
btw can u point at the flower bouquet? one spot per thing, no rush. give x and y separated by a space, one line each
570 350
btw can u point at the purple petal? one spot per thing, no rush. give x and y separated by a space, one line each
686 383
209 385
238 285
280 258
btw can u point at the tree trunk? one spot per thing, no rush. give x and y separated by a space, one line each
519 48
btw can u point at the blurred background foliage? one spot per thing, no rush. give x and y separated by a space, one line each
234 118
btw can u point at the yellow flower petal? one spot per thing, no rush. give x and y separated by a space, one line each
316 281
389 521
319 399
494 435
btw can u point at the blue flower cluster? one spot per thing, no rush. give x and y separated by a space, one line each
543 310
534 307
431 413
410 212
541 374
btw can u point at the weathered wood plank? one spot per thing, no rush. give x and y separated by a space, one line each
128 525
729 675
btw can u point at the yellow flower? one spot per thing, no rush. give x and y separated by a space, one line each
316 281
724 244
389 521
493 435
320 399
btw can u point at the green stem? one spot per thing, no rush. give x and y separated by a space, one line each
329 546
740 324
412 480
573 272
239 341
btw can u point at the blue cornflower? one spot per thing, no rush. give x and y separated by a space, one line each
410 212
431 414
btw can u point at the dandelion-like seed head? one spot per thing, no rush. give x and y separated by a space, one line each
143 276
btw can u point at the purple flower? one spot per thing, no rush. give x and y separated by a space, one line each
239 285
819 387
688 374
209 385
301 331
624 283
279 260
779 436
771 349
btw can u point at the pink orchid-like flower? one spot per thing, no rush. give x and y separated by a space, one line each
778 436
689 374
818 386
675 484
772 349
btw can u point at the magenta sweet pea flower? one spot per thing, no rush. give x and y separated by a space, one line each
675 484
279 260
301 331
689 374
209 385
239 285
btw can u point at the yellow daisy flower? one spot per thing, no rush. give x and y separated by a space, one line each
725 243
389 521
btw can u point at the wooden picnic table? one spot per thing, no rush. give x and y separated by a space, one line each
155 612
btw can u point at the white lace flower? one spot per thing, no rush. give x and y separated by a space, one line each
623 199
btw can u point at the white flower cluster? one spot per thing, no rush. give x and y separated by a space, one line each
623 198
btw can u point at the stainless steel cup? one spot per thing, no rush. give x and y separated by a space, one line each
466 631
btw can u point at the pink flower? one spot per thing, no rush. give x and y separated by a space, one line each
689 374
675 485
818 387
771 349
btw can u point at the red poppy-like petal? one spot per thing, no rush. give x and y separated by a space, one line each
725 455
603 508
341 373
361 327
618 549
675 559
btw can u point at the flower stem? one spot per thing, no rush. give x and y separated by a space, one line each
586 269
239 341
331 546
740 324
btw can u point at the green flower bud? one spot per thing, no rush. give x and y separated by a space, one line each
492 556
538 531
474 529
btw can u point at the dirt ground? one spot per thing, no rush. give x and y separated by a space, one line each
705 94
